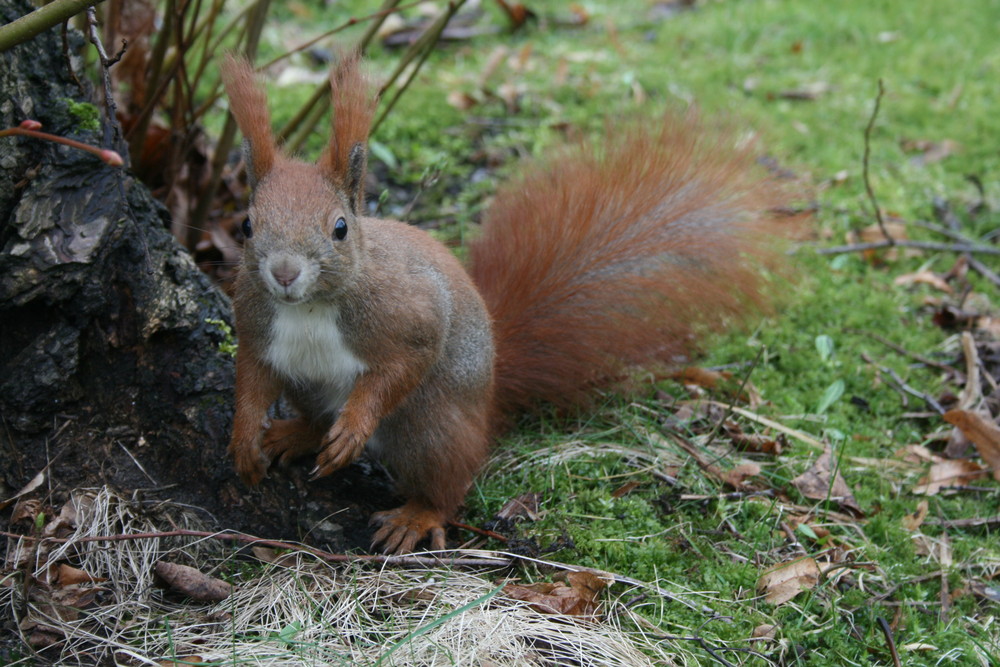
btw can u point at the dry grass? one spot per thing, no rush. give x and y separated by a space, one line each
296 611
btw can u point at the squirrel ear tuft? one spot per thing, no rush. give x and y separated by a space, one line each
248 104
345 159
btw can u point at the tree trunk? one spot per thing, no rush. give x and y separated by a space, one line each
110 363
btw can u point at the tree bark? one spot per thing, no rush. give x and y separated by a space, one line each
110 363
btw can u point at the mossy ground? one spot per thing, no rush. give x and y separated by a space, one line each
751 62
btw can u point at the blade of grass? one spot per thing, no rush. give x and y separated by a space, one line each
435 623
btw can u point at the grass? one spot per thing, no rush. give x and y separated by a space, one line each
601 475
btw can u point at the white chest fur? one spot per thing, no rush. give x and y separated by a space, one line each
307 347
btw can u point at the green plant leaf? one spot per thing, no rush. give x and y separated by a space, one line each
830 396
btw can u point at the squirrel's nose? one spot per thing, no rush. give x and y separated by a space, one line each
285 273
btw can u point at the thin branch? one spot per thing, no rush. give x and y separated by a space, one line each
40 20
868 183
907 389
387 9
906 243
408 560
478 531
887 631
976 522
28 128
902 350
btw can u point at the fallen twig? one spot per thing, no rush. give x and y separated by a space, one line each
902 350
975 522
479 531
908 243
801 436
864 166
887 631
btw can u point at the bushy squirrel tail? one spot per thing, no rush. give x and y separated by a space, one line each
620 252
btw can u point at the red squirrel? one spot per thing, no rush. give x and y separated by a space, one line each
602 257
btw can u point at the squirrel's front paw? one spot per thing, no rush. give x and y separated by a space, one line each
341 446
250 461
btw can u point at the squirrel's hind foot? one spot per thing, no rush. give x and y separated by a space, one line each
402 528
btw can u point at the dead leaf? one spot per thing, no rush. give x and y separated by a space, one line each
461 101
784 581
753 442
67 575
524 506
984 434
925 278
517 13
699 377
26 509
980 589
919 646
807 92
913 521
929 152
820 483
624 489
265 554
193 583
873 233
736 477
947 473
35 482
918 454
575 595
764 631
183 661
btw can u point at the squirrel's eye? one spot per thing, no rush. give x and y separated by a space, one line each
247 228
340 229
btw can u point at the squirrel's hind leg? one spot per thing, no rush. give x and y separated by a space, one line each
433 456
288 439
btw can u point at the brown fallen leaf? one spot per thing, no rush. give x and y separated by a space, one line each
26 509
67 575
753 442
735 477
984 434
625 489
192 582
923 278
524 506
784 581
183 661
700 377
808 91
917 454
929 152
575 595
821 483
948 473
35 482
873 233
913 521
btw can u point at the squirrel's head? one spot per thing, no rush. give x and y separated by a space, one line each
304 234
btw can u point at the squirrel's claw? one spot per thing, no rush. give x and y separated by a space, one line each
251 469
341 447
402 528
